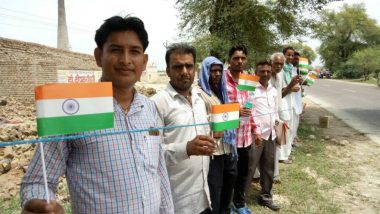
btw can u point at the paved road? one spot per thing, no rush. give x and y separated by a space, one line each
357 104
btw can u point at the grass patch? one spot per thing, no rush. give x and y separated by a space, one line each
305 183
11 206
371 80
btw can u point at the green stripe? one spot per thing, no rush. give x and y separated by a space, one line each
73 124
232 124
309 81
303 65
246 87
304 72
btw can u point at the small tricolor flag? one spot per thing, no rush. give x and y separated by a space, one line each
225 116
248 82
64 108
303 65
310 79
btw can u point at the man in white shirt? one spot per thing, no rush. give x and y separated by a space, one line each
276 80
188 144
265 114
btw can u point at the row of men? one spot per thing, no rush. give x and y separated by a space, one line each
180 169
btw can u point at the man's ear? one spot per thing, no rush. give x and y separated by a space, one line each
167 71
146 58
98 56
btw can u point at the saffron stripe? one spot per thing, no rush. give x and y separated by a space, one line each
230 107
72 124
73 90
249 77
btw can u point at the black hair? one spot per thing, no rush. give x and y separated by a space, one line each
179 48
296 53
117 23
286 49
237 48
264 62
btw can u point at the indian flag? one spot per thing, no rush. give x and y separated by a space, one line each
303 65
314 74
310 79
247 82
225 116
69 108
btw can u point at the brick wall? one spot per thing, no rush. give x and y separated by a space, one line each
24 65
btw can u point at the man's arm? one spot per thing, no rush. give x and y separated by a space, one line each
32 186
292 87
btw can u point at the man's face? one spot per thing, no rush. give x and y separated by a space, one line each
289 56
122 59
264 72
296 59
277 64
181 71
238 61
215 74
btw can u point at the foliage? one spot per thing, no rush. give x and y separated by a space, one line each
343 33
366 61
304 50
260 25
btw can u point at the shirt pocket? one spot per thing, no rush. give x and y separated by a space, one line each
151 152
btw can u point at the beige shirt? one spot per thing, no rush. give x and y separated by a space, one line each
222 148
187 175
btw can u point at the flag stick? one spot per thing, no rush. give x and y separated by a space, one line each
44 172
212 136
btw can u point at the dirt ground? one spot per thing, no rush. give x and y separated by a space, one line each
344 145
347 146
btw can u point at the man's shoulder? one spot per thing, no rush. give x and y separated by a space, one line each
159 96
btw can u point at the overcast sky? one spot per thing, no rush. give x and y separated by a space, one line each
36 21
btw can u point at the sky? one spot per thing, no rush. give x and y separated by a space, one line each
36 21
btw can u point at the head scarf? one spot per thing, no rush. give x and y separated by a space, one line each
229 136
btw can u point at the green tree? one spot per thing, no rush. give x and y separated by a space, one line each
260 25
304 50
366 61
343 33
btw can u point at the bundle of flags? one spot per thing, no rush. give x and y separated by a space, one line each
303 65
64 108
311 77
248 82
225 116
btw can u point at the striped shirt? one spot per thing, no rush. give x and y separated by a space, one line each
121 173
244 132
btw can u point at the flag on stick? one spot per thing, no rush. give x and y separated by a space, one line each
225 116
310 79
303 65
69 108
248 82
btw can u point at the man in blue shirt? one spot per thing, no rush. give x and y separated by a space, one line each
119 173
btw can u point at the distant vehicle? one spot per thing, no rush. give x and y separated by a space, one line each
325 74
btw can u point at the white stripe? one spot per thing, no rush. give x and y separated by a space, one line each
247 82
218 118
53 107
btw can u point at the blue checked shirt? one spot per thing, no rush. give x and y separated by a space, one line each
122 173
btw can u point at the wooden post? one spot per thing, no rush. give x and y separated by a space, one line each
324 121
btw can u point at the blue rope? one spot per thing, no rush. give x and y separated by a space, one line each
71 137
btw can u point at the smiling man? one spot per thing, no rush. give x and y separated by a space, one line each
121 173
